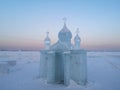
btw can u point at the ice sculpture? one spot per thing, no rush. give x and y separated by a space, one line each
60 62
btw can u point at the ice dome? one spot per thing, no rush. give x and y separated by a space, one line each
64 34
77 38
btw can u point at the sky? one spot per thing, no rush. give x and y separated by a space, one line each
24 23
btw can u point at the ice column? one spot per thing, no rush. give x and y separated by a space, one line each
43 64
51 67
66 56
83 68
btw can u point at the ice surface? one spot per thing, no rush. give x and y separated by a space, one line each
103 72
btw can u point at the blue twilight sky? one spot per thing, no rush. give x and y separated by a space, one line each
23 23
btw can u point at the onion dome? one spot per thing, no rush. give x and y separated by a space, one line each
64 34
77 38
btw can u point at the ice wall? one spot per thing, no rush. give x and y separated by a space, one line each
61 66
43 64
78 66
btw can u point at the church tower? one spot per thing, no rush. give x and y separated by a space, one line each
47 42
65 35
77 40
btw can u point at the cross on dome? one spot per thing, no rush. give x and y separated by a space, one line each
65 27
64 19
77 31
47 33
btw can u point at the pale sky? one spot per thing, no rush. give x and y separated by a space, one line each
24 23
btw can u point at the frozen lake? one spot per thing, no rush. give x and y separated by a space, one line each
22 73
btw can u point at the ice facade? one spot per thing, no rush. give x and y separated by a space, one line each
61 62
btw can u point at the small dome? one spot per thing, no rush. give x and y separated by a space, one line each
47 37
65 34
77 38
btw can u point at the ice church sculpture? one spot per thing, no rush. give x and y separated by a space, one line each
63 61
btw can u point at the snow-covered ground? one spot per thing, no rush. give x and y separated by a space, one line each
103 72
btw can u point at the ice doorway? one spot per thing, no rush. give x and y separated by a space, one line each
59 67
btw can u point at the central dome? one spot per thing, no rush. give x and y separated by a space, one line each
64 34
